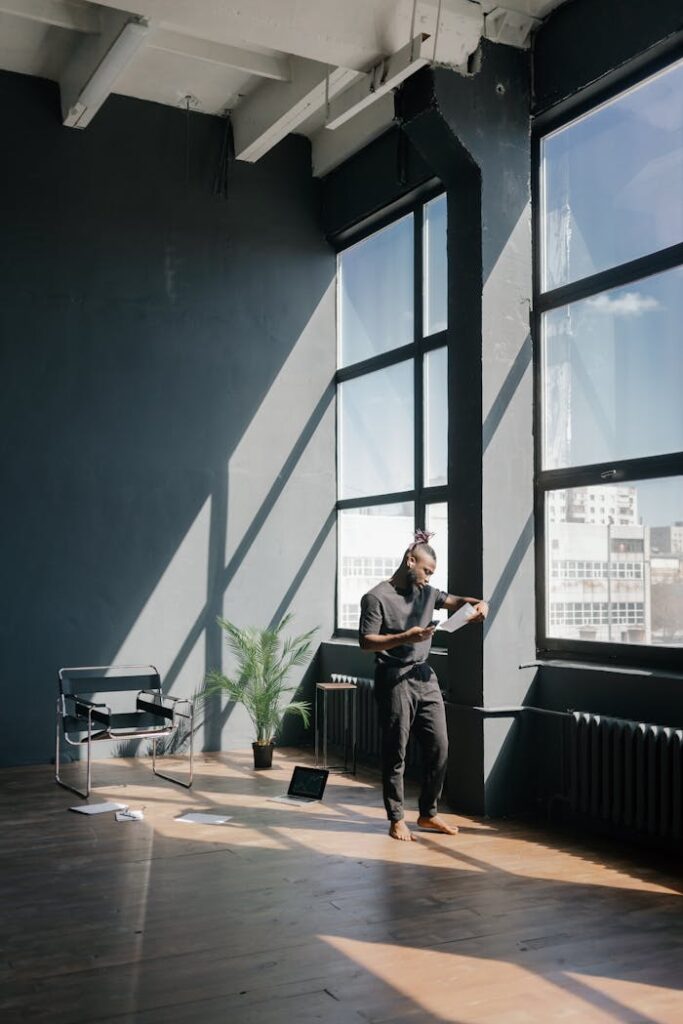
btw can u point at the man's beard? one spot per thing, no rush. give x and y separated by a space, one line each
411 578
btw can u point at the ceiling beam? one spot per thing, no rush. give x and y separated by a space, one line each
60 13
276 68
98 61
510 27
329 149
263 119
342 33
385 75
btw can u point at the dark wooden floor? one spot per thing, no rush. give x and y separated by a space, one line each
293 914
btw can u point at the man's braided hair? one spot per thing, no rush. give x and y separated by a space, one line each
421 543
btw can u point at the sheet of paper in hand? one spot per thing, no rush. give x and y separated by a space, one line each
458 619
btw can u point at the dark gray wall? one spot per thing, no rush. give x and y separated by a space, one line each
585 42
166 427
383 173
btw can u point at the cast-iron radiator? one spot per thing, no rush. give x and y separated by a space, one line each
629 773
368 736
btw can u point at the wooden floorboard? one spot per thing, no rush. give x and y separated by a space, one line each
288 914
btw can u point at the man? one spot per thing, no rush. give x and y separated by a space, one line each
397 623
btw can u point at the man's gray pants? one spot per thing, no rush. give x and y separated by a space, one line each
406 704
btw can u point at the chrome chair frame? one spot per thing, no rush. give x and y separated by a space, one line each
85 712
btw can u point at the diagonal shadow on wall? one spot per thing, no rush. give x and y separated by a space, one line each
513 379
509 572
221 575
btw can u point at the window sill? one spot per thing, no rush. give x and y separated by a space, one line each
592 666
346 641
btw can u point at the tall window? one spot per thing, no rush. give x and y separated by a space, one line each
392 408
609 342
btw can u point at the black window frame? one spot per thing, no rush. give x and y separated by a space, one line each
622 471
416 350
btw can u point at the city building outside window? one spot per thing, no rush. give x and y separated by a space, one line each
609 362
392 407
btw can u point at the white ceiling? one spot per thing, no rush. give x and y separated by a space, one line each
276 65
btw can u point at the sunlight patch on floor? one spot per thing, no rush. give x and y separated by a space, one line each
642 1002
462 989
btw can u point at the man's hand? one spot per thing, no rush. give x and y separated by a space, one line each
481 610
416 634
387 642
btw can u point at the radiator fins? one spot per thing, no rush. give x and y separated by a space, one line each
627 773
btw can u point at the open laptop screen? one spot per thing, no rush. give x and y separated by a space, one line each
308 782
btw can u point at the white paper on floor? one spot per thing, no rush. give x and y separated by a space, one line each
128 815
98 808
197 818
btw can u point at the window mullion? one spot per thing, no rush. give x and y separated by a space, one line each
380 362
393 498
434 341
418 305
647 467
615 277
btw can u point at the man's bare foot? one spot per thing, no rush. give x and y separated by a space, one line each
437 824
399 830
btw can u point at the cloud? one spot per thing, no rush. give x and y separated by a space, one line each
630 304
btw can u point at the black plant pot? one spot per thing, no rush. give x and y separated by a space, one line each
263 755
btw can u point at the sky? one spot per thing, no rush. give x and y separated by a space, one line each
613 363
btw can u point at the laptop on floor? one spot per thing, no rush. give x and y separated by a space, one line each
306 786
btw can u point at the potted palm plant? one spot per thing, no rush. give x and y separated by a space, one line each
263 660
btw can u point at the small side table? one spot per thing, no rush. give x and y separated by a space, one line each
348 689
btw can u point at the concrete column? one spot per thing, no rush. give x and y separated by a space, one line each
474 132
